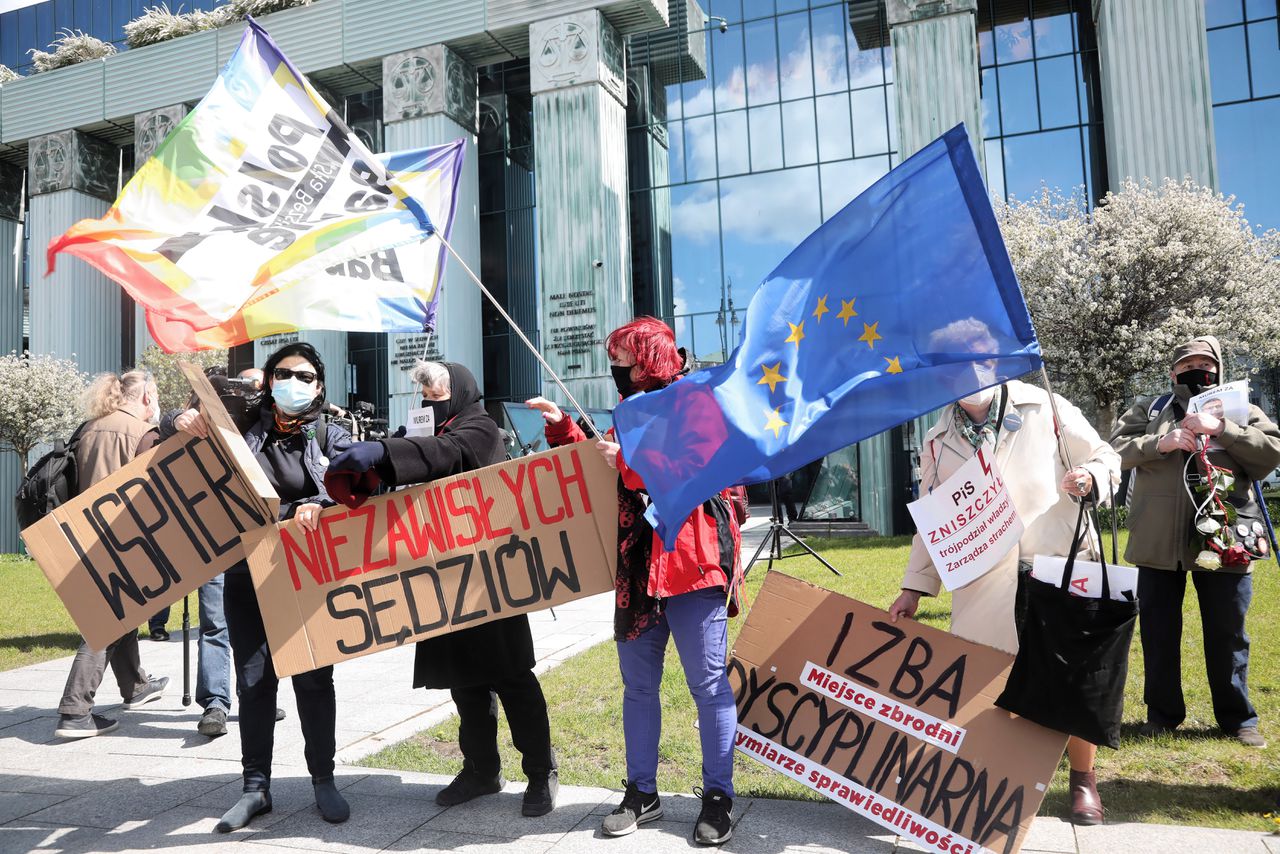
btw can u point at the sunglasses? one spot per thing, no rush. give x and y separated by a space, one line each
285 373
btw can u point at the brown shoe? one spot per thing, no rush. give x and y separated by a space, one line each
1086 806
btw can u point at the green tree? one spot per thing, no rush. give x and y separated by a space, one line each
173 386
40 403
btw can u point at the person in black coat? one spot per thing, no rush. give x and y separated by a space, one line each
485 663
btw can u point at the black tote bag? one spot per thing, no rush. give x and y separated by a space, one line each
1073 656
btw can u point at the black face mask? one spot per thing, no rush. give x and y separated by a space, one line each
440 410
1197 380
622 379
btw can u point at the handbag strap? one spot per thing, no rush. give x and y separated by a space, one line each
1077 538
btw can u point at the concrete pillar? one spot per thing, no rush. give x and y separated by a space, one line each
935 66
76 311
429 98
149 130
10 332
578 81
1155 90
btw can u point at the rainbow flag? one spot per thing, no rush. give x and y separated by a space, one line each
261 212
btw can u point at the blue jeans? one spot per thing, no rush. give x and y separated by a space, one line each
1224 601
699 624
213 653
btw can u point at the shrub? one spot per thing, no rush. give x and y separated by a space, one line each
69 48
258 8
7 75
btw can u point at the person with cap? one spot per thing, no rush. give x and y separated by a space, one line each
1016 423
292 441
1155 438
486 663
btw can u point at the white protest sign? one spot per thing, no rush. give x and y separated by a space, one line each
968 523
1229 401
422 422
1086 577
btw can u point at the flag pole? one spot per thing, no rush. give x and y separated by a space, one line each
532 349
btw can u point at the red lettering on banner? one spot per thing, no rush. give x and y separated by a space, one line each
332 541
579 478
517 493
439 532
536 489
486 510
306 558
370 515
477 524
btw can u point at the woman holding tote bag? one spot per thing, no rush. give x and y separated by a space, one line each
1018 420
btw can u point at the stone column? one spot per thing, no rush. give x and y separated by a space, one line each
77 310
578 81
1155 90
149 130
429 98
935 66
10 329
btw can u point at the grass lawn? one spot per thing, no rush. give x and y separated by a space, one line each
1196 777
34 625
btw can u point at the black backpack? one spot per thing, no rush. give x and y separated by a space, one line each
50 483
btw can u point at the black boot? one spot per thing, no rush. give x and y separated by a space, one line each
251 804
333 807
540 796
467 785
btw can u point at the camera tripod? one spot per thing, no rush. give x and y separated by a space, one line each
773 537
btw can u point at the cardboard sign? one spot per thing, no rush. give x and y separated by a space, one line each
520 536
1086 577
422 422
968 523
895 721
156 529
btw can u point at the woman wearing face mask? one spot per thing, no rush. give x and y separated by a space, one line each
292 442
490 662
687 594
1018 421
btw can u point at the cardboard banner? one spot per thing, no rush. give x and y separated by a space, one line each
968 523
156 529
520 536
894 721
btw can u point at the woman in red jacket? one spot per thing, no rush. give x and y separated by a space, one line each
688 594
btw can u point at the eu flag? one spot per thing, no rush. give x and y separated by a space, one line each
902 302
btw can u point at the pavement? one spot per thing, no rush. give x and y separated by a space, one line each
155 784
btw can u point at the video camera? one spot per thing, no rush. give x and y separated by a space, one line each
359 421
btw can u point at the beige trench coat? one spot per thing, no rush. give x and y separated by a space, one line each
1032 467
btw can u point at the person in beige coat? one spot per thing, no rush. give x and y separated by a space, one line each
1045 493
122 412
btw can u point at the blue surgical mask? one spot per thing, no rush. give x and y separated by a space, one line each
293 395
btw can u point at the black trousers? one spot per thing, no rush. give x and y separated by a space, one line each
526 709
256 686
1224 599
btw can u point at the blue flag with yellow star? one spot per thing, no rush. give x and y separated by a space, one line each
902 302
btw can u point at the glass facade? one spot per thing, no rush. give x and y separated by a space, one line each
1244 77
37 25
1041 120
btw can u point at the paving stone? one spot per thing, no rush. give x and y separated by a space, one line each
1162 839
107 805
375 823
1051 835
15 805
425 839
499 815
35 784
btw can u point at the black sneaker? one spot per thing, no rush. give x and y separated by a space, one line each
715 822
637 808
213 722
468 785
84 726
159 634
150 692
540 796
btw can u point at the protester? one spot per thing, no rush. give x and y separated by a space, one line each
494 660
1018 421
122 411
688 594
254 376
1154 439
293 445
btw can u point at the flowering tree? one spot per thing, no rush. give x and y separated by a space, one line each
40 403
173 386
1113 290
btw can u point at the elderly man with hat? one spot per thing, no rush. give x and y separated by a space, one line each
1156 437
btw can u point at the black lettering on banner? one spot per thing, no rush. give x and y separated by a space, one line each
366 640
266 176
896 636
843 633
490 586
947 687
464 579
770 702
806 697
256 518
115 585
911 669
263 203
946 793
175 509
376 607
286 159
567 576
289 131
505 555
117 548
133 507
406 581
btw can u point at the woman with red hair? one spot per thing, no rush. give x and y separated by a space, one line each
687 594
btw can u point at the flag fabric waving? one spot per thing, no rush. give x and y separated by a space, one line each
393 290
260 188
902 302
